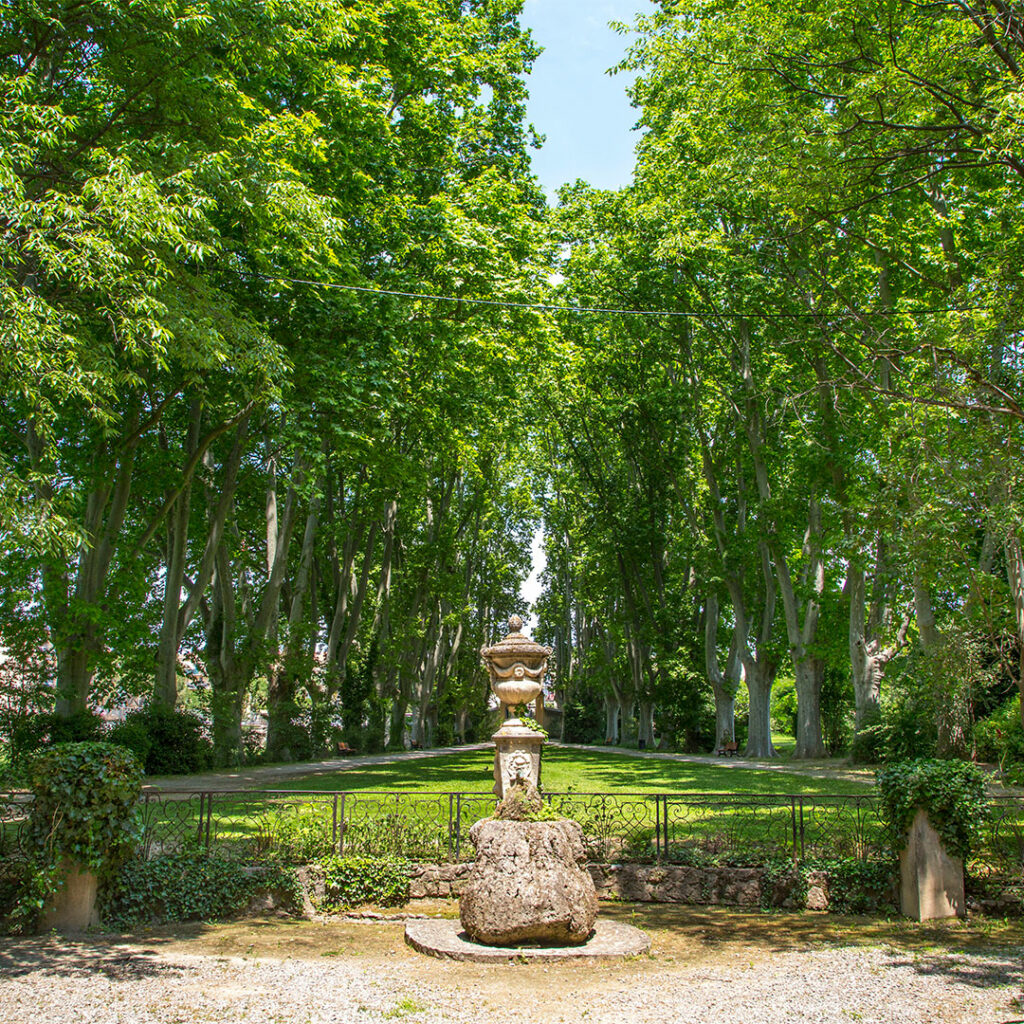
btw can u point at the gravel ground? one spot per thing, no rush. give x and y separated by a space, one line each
365 974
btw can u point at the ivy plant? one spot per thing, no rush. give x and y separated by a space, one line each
84 806
84 812
951 792
349 881
189 885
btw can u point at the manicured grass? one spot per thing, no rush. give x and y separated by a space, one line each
581 771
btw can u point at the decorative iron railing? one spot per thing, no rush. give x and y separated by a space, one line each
298 826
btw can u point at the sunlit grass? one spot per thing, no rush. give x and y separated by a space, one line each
582 771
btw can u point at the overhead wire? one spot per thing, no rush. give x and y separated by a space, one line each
562 308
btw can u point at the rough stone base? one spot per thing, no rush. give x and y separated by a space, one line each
446 939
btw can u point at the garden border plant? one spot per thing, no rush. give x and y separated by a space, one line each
191 885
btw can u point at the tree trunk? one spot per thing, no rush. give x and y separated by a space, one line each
723 689
808 669
759 729
611 717
1015 574
165 690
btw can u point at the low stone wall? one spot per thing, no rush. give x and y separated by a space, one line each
650 883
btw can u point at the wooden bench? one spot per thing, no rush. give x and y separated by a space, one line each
344 748
728 749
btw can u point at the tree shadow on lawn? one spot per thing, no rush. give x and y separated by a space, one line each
981 953
81 957
586 771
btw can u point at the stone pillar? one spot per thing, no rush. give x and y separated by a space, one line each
516 756
73 908
931 881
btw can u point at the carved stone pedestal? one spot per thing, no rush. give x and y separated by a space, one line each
516 757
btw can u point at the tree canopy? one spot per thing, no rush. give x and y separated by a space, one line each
297 361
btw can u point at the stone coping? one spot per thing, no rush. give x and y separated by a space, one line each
446 939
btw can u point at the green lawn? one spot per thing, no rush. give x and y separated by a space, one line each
582 771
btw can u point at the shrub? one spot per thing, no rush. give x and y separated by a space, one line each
854 886
168 741
394 834
84 806
859 886
1000 739
869 743
350 881
37 731
188 886
303 836
951 792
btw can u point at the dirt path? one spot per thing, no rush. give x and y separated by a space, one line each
264 776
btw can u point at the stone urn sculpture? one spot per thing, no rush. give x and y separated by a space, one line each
516 666
529 882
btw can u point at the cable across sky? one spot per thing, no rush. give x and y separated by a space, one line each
562 308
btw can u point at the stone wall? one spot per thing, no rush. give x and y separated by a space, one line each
650 883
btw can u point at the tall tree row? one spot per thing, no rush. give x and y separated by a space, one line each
819 428
206 448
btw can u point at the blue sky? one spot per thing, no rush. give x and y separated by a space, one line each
583 111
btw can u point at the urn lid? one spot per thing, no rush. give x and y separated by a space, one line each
515 645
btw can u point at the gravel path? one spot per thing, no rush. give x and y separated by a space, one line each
51 981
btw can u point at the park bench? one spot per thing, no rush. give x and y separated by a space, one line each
728 749
344 748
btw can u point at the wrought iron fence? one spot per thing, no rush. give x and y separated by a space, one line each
679 827
14 809
300 825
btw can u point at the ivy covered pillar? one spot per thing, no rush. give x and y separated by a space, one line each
935 811
931 880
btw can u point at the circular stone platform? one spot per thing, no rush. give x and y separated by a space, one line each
445 938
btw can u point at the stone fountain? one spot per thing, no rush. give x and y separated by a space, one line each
529 893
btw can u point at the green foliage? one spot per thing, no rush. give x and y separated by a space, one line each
859 886
855 886
34 732
301 837
951 792
398 835
584 717
869 743
532 723
84 803
188 886
83 811
783 705
836 710
783 881
1000 739
351 881
305 834
166 741
902 730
